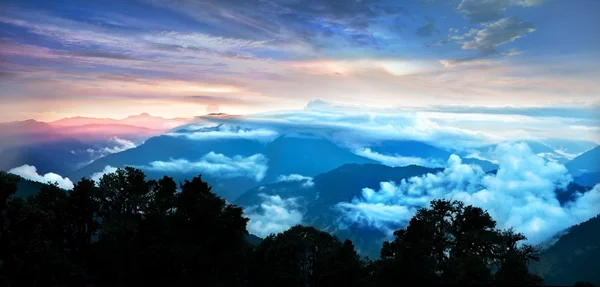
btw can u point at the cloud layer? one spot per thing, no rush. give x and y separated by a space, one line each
273 215
30 172
217 165
522 195
307 181
395 161
223 131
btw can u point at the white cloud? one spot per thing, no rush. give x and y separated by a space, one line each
521 195
116 145
98 175
397 160
215 164
494 34
307 181
198 132
30 172
274 215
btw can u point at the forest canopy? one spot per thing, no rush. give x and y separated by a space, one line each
126 230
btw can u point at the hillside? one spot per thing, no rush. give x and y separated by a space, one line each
584 163
588 179
574 257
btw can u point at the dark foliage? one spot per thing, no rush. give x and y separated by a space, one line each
129 231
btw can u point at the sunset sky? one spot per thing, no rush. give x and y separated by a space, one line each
176 58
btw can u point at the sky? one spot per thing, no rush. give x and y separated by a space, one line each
454 59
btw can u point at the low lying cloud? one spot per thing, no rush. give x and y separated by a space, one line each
217 165
522 195
224 131
30 172
307 181
115 145
96 177
397 160
273 215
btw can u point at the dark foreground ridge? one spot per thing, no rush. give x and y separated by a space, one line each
129 231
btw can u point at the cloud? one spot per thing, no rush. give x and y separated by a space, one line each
30 172
307 181
223 131
96 177
494 34
522 195
217 165
116 145
479 11
397 160
475 61
274 215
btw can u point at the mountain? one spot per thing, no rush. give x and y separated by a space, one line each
584 163
286 155
144 120
574 257
589 179
98 132
307 156
570 146
39 144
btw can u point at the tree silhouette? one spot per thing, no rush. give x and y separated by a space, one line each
128 231
305 256
457 244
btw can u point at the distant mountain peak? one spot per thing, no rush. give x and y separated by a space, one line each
217 115
142 115
317 104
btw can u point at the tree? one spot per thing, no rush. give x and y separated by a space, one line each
210 237
305 256
453 243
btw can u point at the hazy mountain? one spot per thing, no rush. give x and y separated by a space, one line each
286 155
93 133
588 179
142 120
586 162
306 156
39 144
570 146
574 257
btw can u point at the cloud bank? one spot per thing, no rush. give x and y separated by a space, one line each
522 195
307 181
397 160
30 172
273 215
217 165
223 131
